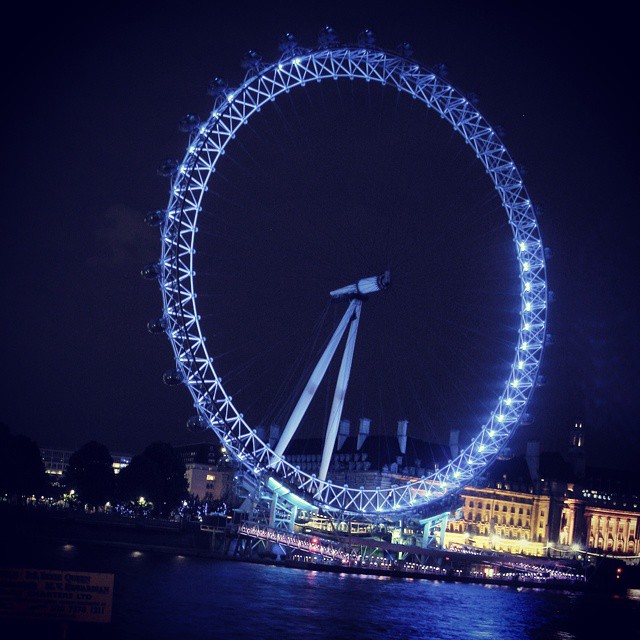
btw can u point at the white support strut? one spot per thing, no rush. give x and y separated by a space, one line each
314 382
340 392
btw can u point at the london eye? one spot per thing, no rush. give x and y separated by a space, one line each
328 363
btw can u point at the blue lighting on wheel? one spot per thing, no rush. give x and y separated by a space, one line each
233 108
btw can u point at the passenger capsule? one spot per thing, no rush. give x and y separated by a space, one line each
251 61
473 98
196 424
151 271
189 123
218 87
327 38
405 50
541 381
366 38
172 377
155 218
526 419
158 325
288 44
168 168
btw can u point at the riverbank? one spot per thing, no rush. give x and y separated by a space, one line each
187 539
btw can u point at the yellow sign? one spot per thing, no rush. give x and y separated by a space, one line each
52 594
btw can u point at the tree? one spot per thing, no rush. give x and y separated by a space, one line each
21 467
157 474
90 473
140 479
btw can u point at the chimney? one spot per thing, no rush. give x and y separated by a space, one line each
343 432
363 431
402 435
533 460
274 435
454 442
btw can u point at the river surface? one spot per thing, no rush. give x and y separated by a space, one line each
168 596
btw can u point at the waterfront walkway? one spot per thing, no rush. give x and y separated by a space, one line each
434 562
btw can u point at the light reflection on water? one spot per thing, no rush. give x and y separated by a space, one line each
160 596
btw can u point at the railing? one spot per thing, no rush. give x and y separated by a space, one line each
301 541
515 569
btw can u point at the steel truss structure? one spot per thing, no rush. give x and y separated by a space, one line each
196 368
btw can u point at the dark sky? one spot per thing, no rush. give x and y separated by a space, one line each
92 102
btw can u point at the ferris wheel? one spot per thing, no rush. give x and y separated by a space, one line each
197 368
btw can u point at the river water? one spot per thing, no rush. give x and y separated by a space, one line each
169 596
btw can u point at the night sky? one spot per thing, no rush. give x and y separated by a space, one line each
92 103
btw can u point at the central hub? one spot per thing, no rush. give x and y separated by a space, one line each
363 288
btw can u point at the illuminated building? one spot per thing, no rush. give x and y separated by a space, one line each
209 482
536 504
612 530
207 473
511 511
56 461
542 504
120 461
502 520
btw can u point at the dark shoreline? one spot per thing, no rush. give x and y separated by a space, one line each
176 539
328 568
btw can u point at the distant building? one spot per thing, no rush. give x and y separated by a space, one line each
120 461
209 482
510 511
550 503
205 453
56 461
540 503
370 461
208 475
